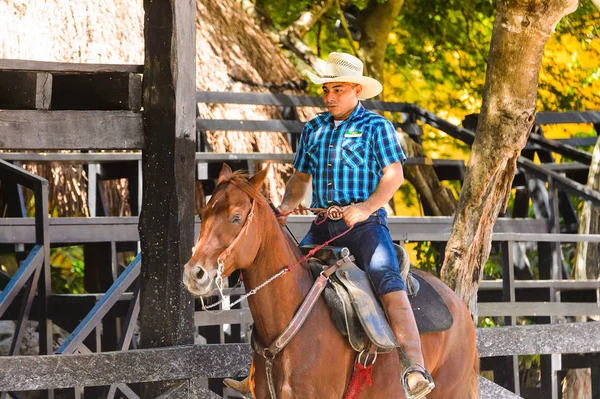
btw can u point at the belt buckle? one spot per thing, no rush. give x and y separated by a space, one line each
335 212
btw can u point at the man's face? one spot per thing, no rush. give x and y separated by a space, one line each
341 98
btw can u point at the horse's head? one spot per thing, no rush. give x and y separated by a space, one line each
228 238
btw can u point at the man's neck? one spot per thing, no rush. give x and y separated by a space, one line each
342 118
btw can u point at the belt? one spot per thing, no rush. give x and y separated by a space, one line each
336 212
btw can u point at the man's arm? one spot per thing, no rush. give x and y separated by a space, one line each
392 179
295 191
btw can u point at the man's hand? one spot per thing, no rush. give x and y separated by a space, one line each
356 213
282 217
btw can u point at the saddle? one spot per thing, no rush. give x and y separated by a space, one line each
355 308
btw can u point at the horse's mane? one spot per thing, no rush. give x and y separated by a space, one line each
239 178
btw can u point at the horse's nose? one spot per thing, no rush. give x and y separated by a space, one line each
200 274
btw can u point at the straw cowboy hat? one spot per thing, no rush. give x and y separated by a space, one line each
342 67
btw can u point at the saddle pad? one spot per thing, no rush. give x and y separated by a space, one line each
431 313
368 309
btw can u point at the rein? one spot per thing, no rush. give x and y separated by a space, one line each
221 258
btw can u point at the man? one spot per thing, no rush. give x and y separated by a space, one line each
353 160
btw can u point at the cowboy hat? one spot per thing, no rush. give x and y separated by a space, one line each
342 67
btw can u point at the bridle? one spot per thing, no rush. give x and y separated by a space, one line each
221 261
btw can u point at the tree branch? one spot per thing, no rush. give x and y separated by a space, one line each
345 26
309 18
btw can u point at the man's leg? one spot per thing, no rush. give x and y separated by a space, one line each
373 248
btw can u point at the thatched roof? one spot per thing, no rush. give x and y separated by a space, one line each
232 55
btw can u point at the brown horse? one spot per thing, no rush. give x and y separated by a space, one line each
318 362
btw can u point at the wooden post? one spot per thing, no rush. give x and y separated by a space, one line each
167 218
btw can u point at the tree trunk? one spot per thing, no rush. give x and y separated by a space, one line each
424 179
520 33
577 383
586 259
376 23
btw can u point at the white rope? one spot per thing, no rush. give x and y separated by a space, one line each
252 292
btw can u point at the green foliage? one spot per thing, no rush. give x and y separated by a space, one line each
427 257
493 267
67 270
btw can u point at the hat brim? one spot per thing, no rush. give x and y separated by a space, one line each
370 87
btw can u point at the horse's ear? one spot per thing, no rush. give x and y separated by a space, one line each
225 174
258 179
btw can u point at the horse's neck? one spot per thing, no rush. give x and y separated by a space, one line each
274 306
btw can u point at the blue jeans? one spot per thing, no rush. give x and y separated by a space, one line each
371 244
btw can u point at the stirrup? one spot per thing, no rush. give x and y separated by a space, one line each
425 390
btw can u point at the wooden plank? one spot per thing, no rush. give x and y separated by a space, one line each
103 157
490 390
288 100
71 230
167 220
233 316
516 309
33 262
145 365
545 339
43 91
123 229
44 66
290 126
553 118
70 130
20 176
559 285
563 182
562 149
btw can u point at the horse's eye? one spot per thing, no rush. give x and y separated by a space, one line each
236 218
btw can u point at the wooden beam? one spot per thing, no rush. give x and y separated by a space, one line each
168 163
490 390
516 309
562 149
563 182
553 118
544 339
145 365
70 130
43 66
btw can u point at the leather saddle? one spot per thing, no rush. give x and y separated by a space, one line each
356 310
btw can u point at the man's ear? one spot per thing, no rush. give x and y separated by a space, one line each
225 174
359 90
258 179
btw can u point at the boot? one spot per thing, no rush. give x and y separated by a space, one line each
242 386
417 382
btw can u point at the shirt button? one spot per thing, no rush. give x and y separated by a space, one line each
329 184
328 164
330 145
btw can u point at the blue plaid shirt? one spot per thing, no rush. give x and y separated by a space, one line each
346 162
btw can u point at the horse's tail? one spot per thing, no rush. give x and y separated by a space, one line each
474 378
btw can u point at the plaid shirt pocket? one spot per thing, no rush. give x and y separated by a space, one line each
353 153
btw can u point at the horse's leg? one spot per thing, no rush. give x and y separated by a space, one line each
453 353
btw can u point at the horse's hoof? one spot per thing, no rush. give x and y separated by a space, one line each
242 387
